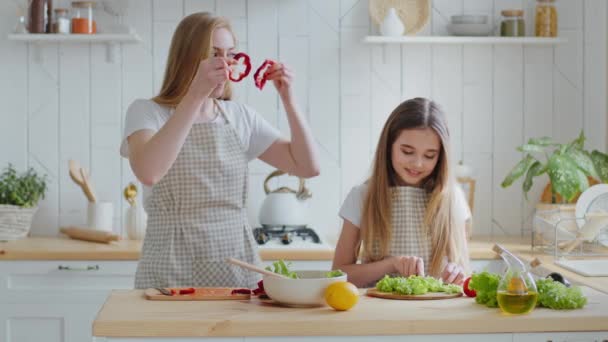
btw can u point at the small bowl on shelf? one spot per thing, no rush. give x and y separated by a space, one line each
469 19
473 30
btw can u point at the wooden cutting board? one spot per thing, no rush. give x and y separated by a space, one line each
201 293
427 296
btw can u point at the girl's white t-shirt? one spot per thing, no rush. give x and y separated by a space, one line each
254 132
352 208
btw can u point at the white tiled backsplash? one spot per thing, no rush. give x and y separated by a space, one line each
71 103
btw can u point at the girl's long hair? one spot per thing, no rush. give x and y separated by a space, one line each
191 43
447 236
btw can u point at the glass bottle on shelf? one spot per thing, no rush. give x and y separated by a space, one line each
61 21
517 293
83 20
546 18
513 23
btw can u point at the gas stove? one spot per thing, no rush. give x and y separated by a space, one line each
276 236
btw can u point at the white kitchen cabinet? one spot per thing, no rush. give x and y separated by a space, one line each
562 337
56 300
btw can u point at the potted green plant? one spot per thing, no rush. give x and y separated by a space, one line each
19 196
569 166
571 169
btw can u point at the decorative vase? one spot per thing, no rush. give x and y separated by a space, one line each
391 25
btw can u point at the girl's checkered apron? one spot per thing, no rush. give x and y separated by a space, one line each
197 215
409 236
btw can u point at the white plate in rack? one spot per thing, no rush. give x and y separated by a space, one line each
590 201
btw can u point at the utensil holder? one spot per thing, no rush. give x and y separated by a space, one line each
100 215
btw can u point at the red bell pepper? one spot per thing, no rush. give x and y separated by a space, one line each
185 291
260 75
246 61
241 291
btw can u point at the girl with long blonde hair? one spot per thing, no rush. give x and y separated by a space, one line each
190 146
409 217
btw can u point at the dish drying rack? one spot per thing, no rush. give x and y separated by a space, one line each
559 231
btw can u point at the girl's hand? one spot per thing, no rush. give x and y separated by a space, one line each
211 73
282 77
453 274
409 265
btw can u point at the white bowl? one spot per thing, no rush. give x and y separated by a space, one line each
470 29
308 290
470 19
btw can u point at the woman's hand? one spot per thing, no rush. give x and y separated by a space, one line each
211 73
282 77
453 274
409 265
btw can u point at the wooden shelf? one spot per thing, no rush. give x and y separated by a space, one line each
76 38
463 40
111 40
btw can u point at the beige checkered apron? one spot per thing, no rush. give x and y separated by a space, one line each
409 236
197 215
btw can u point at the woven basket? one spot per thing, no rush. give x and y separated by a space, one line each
15 221
414 14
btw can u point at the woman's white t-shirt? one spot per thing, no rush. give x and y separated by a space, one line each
255 133
352 208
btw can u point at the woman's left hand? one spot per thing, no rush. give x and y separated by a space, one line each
453 274
282 77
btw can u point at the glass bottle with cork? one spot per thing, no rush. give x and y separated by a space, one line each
516 293
83 20
513 23
546 18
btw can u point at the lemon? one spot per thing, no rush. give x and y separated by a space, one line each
341 295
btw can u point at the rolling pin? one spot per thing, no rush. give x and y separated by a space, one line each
87 234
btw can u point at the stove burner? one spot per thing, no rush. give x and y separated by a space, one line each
285 234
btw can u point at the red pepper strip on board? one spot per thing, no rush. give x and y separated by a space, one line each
246 61
260 75
189 290
241 291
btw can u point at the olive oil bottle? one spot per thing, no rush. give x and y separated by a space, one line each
516 293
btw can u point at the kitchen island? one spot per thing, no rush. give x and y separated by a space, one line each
127 316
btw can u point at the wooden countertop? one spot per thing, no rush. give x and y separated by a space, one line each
62 248
128 314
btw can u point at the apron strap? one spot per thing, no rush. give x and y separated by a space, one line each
216 104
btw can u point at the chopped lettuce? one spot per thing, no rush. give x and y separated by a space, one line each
334 273
555 295
485 285
282 268
415 285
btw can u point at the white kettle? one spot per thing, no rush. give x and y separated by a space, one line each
284 206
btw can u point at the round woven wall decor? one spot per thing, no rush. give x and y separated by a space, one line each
414 14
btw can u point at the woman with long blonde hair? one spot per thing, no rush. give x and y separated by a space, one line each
409 217
190 146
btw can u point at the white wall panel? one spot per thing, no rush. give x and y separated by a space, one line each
71 102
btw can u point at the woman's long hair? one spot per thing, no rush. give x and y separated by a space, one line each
447 236
191 43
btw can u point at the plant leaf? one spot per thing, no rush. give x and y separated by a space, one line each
600 161
584 162
577 143
536 169
567 179
529 148
518 171
542 141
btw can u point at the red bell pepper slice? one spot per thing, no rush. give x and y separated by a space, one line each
241 291
260 75
246 61
186 291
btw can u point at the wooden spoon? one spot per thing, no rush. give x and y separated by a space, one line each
254 268
78 178
87 187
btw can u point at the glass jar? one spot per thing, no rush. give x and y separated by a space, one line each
513 24
546 18
517 292
83 20
61 21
